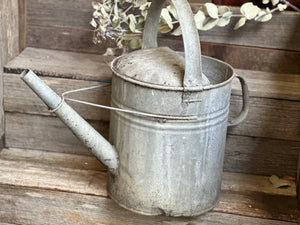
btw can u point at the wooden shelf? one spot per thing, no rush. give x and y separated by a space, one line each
38 187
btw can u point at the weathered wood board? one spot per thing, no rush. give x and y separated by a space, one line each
242 194
77 14
53 207
43 132
8 46
245 57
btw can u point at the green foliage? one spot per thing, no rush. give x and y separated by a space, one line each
123 20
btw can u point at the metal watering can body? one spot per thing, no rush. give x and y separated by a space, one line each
169 162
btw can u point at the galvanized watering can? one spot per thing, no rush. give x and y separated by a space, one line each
166 158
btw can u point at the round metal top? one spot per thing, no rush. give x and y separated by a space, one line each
158 66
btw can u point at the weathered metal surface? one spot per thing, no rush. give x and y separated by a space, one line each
170 167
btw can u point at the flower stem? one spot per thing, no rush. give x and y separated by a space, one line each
291 5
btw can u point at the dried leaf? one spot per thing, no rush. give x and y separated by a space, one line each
223 9
139 3
240 23
199 19
132 23
177 31
204 23
163 28
145 6
166 17
275 2
135 43
109 52
263 16
282 7
225 19
211 10
173 11
116 22
93 23
279 183
249 10
209 23
96 5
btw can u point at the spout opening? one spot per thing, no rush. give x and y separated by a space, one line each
24 73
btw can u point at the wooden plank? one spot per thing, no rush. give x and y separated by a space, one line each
9 30
50 207
49 159
77 15
269 85
22 24
8 47
41 132
261 156
61 64
243 57
241 194
269 118
19 98
56 178
259 205
243 154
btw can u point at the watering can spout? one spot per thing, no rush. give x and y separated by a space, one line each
97 144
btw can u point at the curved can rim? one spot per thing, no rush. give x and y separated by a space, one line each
170 88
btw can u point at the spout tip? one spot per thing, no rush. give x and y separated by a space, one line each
23 74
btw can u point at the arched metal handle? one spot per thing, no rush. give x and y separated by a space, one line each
193 67
245 108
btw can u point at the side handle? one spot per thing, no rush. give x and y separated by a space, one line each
244 112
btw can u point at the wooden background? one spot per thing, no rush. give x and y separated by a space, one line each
9 48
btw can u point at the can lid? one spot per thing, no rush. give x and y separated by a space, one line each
159 66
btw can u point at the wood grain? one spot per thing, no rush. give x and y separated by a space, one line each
262 156
19 98
46 133
254 58
53 207
8 46
22 24
77 15
242 194
244 57
61 64
269 118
